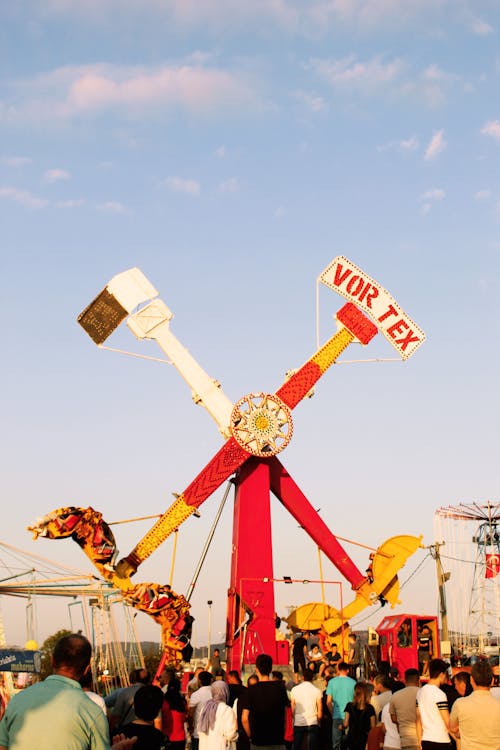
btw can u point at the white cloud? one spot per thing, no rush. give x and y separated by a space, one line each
15 161
196 89
482 195
435 73
23 197
56 175
434 194
393 76
87 91
221 152
279 212
436 145
492 128
230 186
349 73
410 144
112 207
72 203
429 197
181 185
406 144
310 100
480 27
295 16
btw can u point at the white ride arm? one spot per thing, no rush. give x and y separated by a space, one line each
127 291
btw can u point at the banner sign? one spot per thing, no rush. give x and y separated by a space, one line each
19 661
492 565
352 283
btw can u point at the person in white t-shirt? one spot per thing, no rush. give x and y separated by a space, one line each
87 683
433 716
195 706
392 740
306 700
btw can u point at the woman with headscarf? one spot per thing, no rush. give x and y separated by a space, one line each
217 726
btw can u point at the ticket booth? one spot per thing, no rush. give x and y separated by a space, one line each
399 639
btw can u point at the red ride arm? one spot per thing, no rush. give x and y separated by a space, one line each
297 504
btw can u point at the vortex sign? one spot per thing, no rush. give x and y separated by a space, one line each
352 283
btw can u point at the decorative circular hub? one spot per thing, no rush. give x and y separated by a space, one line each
261 424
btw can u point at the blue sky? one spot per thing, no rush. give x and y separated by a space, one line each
231 150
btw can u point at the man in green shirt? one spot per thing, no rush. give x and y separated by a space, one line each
56 714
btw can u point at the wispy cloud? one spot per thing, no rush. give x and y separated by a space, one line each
436 145
71 203
434 194
23 197
429 197
56 175
395 77
182 185
355 75
15 161
310 100
112 207
492 128
409 144
405 145
482 195
480 27
432 85
230 186
300 16
30 201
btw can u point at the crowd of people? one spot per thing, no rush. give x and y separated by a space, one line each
325 707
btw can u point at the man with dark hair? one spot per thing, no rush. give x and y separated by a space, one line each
56 714
166 675
299 652
333 657
263 717
237 695
193 684
381 695
123 711
148 700
213 663
403 710
475 719
196 703
339 692
433 716
307 710
354 657
235 685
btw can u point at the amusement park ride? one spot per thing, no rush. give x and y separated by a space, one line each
255 430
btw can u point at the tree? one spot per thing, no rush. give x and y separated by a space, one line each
47 650
151 653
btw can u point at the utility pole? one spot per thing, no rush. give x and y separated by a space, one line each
442 578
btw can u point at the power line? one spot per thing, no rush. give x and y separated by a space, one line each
415 571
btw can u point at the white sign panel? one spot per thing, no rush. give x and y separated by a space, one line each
352 283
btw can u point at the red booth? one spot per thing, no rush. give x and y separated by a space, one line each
398 639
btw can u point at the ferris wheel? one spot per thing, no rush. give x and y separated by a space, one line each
471 552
